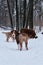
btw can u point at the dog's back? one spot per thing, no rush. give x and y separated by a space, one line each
7 33
31 33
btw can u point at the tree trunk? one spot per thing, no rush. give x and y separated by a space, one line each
10 15
17 21
24 19
40 22
30 15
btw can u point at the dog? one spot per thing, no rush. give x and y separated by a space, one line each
9 34
24 35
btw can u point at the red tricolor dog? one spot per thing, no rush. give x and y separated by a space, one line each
24 35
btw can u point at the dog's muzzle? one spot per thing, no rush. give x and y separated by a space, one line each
13 35
36 37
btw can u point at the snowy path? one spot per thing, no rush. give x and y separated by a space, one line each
10 55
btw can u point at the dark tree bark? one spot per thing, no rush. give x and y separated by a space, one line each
10 15
40 22
17 21
12 6
30 15
11 3
24 19
21 13
40 16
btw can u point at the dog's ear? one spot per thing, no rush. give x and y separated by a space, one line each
12 31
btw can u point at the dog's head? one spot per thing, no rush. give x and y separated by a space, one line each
14 33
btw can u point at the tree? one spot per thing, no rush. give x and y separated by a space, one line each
17 21
30 15
10 15
24 19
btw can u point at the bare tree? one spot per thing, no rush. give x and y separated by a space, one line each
30 15
10 14
24 19
17 21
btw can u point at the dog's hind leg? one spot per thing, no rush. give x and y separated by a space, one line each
20 46
26 45
7 39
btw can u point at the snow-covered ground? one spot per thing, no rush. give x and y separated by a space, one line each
10 55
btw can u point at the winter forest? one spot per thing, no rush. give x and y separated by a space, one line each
21 32
21 13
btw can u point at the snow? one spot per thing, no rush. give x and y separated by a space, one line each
10 55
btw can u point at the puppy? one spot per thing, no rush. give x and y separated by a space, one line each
20 37
9 34
23 37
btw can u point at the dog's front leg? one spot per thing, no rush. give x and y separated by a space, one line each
7 39
20 46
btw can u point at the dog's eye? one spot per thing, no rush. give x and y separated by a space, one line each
11 31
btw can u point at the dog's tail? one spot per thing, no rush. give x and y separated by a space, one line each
4 32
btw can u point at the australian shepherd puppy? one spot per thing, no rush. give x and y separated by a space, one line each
9 34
